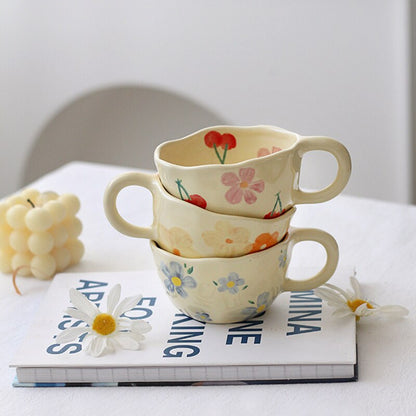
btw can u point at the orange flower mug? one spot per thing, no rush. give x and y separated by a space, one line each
185 229
248 171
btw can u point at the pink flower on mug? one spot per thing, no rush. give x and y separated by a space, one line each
242 186
263 151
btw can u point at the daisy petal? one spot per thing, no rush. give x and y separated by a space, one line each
113 298
329 295
127 341
127 304
77 314
356 287
339 290
138 337
88 338
125 322
134 325
97 346
82 303
70 334
351 302
394 310
111 345
141 326
339 313
363 310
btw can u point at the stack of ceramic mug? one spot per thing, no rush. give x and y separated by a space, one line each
223 201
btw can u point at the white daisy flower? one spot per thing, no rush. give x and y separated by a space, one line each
105 331
352 302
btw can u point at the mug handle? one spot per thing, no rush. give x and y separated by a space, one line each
143 179
332 255
341 154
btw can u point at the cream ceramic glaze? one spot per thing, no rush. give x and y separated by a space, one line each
185 229
249 171
236 289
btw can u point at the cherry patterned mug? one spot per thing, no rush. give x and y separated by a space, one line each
188 230
247 171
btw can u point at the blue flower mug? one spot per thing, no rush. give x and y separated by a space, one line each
227 290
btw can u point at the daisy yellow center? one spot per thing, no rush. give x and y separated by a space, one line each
354 304
104 324
244 184
230 284
176 281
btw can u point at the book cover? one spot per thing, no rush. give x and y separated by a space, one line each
296 340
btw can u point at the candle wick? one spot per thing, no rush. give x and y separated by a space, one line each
31 203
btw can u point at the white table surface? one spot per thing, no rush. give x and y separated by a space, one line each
378 238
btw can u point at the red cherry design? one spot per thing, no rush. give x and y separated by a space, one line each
197 200
215 138
275 214
194 199
228 139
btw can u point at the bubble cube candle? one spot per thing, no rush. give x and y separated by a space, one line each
39 233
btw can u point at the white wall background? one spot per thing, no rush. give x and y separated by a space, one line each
325 67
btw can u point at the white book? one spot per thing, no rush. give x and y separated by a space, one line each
296 340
